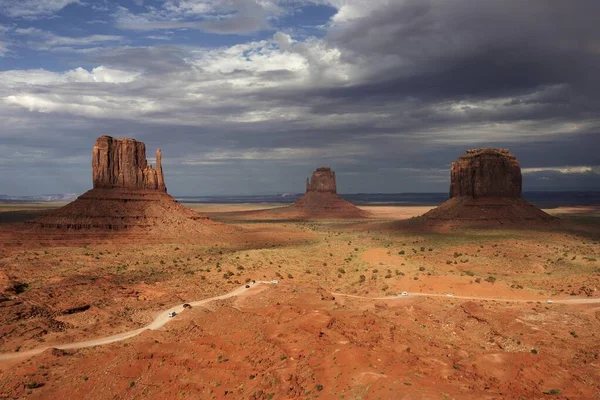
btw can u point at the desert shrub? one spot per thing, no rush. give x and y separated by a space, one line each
421 269
401 252
491 279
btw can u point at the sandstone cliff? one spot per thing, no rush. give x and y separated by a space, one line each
121 163
485 190
486 172
322 180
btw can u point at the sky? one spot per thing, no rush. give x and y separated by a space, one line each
250 96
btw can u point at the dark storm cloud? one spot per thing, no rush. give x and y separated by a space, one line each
389 99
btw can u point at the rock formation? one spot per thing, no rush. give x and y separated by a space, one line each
322 180
485 188
486 172
128 195
321 199
121 163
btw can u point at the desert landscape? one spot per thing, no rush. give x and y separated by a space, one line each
484 297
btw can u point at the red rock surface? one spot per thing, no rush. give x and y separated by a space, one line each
121 163
322 180
486 172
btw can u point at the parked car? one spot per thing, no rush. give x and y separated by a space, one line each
404 293
247 286
275 281
172 314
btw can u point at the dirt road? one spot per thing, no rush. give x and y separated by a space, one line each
158 322
163 317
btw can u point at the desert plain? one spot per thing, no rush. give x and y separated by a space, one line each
477 322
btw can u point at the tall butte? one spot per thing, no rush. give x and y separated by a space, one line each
485 187
128 195
321 199
121 163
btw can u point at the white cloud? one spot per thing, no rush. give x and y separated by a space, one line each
33 8
101 74
43 40
567 170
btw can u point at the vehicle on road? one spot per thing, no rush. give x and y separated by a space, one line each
172 314
449 295
549 301
247 286
404 293
275 281
186 305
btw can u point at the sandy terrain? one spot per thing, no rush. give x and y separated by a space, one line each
308 337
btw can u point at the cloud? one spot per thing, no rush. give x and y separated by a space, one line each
32 9
389 96
43 40
564 170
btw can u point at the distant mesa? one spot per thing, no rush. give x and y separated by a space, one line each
128 195
321 199
485 188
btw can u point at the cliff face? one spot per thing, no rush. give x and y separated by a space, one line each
486 172
322 180
121 163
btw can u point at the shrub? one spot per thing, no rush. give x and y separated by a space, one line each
491 279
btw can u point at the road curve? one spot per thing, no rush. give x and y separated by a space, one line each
160 320
163 317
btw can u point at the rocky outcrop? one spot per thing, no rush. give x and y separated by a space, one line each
321 199
322 180
485 190
129 195
486 172
121 163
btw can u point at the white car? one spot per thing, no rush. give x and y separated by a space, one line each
449 295
549 301
404 293
275 281
172 314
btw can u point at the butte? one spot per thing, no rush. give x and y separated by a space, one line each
321 199
485 190
129 198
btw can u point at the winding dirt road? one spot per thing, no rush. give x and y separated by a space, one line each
163 317
158 322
